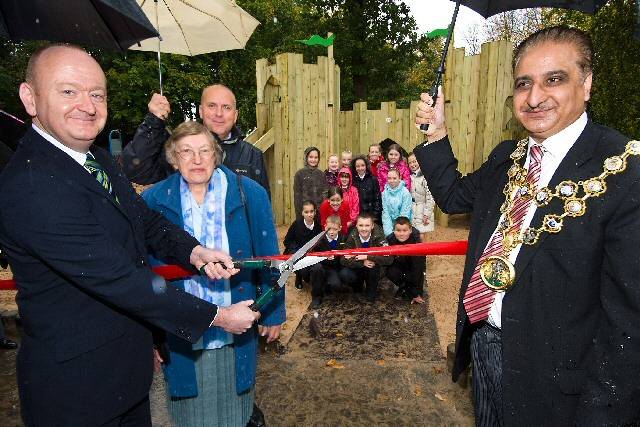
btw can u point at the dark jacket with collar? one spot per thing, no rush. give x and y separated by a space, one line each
414 265
86 294
353 241
298 234
144 161
368 190
570 330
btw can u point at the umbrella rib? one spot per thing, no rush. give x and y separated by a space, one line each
211 16
184 36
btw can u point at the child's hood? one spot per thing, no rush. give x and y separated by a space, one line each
348 172
306 155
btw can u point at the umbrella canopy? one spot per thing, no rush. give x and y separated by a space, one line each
198 26
489 8
110 24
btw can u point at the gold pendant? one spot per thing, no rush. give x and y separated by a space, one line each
498 273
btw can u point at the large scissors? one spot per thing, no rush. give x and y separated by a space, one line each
295 262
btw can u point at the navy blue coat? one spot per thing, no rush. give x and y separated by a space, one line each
164 197
85 293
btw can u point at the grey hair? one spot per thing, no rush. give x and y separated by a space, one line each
190 128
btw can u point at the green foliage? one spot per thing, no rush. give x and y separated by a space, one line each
376 47
381 58
615 99
14 57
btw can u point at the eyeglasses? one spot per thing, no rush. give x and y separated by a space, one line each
189 154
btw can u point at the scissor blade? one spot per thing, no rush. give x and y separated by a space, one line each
287 267
308 261
305 248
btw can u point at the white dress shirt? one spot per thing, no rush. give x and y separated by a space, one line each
555 148
81 158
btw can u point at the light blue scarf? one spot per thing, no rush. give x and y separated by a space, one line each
206 223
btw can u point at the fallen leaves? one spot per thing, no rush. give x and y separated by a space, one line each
333 363
381 362
439 397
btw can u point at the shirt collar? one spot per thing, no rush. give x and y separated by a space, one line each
363 240
559 144
309 226
81 158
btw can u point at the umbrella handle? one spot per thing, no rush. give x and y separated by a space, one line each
441 69
159 40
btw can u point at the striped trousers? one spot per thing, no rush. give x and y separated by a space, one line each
486 355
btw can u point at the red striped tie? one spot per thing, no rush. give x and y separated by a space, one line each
478 298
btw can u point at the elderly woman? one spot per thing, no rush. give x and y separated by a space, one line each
211 382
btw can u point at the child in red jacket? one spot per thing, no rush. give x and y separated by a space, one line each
334 205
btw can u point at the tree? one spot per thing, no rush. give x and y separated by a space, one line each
376 46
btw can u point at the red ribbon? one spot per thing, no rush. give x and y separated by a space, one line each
173 272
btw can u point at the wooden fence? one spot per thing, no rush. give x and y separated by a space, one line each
298 105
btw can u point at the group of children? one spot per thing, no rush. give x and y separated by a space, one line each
363 201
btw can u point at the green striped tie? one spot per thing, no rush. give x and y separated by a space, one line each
99 174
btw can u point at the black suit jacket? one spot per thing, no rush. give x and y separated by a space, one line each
571 323
85 292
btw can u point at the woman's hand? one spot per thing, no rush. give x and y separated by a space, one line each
271 332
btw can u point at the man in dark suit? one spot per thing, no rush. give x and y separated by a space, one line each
77 238
562 345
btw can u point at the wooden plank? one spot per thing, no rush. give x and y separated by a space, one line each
312 107
261 78
307 138
336 107
466 110
297 101
478 156
292 155
490 111
277 185
472 118
283 71
499 100
266 141
322 98
456 106
415 136
360 124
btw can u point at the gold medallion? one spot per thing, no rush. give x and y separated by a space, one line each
498 273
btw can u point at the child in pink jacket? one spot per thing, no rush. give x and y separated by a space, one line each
349 193
394 161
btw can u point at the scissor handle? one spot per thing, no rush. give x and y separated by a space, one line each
251 264
264 299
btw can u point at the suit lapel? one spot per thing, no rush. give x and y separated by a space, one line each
576 157
61 164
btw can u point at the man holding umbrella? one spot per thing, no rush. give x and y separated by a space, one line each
143 158
550 298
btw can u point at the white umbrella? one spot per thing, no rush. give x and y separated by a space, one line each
193 27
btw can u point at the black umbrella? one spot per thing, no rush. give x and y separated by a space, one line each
110 24
488 8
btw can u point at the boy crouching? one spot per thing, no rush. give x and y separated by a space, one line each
407 272
365 268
